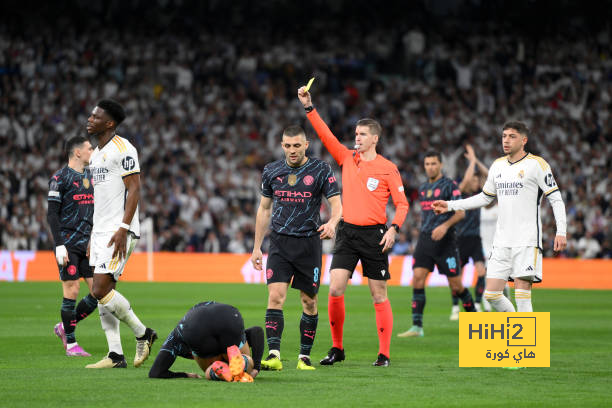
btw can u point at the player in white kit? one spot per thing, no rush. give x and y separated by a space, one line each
519 180
116 179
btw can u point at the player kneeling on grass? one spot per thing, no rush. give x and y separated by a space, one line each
213 335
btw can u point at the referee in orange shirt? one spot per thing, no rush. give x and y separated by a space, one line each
367 181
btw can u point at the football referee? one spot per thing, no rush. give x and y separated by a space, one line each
368 180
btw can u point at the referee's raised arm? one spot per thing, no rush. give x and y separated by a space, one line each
338 151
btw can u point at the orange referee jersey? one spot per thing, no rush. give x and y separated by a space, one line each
366 185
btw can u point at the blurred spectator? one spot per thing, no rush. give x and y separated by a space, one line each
208 98
401 246
587 246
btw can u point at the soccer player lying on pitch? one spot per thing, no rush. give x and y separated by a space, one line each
213 335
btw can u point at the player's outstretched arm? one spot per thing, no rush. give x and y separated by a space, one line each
477 201
162 364
440 206
262 221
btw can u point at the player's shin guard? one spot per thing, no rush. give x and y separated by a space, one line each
523 300
69 319
308 330
275 323
418 306
86 307
119 306
336 311
466 300
479 290
499 301
110 325
384 324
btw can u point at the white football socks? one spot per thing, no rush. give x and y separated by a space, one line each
523 300
110 325
499 301
119 306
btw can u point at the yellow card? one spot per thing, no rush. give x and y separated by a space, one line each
308 84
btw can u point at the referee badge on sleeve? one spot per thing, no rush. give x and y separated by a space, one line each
372 183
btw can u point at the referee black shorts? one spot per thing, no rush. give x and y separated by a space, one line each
357 242
295 257
210 328
77 266
471 247
444 254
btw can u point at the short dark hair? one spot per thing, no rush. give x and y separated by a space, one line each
293 130
113 109
520 127
73 142
372 124
433 153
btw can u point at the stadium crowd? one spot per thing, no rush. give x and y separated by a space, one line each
206 111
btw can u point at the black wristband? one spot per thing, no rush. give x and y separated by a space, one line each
396 227
309 109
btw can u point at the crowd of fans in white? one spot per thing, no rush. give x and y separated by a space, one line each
206 114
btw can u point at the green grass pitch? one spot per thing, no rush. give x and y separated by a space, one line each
424 372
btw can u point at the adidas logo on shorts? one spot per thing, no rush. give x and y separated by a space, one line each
529 268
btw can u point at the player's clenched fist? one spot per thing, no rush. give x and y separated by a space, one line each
440 206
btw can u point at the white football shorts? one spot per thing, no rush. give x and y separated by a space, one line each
515 262
101 256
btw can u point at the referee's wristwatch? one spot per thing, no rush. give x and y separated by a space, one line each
396 227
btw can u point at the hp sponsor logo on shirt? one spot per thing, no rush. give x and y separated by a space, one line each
550 180
128 163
